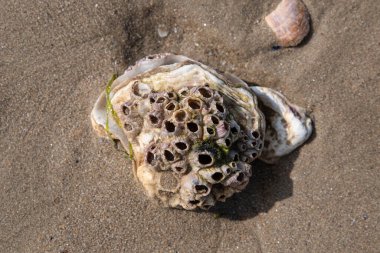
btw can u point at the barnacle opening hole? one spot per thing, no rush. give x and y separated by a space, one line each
179 168
169 126
168 155
150 157
240 177
205 159
160 100
205 92
181 145
215 119
126 110
220 107
210 131
153 119
194 202
171 95
217 176
193 127
194 104
255 134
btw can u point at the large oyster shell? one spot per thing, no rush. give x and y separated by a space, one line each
192 132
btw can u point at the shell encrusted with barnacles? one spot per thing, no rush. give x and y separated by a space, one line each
193 132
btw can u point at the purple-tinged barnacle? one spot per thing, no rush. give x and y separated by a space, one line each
223 129
193 130
202 159
192 104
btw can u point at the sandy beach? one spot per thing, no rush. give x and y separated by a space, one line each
62 189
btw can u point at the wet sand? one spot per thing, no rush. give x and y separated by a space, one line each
62 189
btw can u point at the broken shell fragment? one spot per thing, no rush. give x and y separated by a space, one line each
290 22
191 131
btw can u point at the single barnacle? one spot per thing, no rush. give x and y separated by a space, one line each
140 90
192 104
204 93
171 107
226 170
209 132
218 108
169 181
155 118
180 167
252 154
181 145
169 154
212 175
171 128
172 95
192 131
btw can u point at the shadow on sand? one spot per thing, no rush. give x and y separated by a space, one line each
269 183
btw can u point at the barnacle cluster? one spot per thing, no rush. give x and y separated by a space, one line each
195 148
193 132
